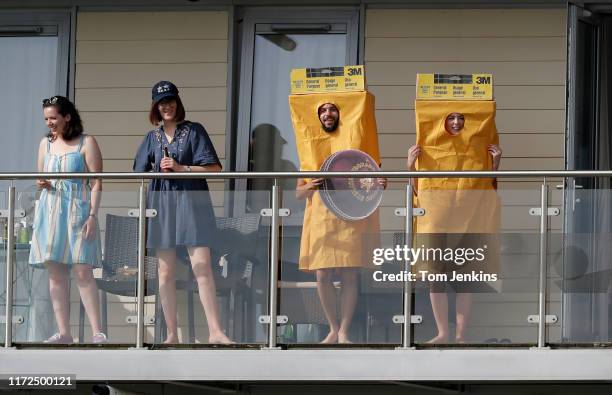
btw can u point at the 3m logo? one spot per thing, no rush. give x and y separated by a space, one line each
354 71
483 80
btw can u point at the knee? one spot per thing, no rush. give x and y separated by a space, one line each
324 276
83 275
166 273
202 270
57 280
57 276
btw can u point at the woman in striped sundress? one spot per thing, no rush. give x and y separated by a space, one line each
66 234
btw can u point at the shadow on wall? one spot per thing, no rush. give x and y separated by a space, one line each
266 155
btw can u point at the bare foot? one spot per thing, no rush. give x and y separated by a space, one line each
331 338
171 339
438 339
219 338
460 340
344 339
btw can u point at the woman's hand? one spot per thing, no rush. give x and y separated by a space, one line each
413 155
382 182
496 154
170 164
89 228
43 184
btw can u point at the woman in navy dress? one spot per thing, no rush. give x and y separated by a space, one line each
185 217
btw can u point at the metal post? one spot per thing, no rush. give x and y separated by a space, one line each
273 286
140 293
407 325
543 279
10 253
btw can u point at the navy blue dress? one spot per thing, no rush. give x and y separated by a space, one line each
185 214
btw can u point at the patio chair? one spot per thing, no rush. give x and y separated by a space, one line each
120 265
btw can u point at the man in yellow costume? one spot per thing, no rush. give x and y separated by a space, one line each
325 124
455 135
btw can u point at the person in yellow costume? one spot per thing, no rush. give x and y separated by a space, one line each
455 140
330 245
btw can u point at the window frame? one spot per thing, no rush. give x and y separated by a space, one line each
48 20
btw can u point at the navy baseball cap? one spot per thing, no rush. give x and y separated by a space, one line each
163 89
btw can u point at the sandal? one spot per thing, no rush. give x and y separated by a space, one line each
59 339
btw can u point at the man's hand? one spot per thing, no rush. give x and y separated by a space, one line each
311 185
306 189
413 155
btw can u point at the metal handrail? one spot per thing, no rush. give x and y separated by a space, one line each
313 174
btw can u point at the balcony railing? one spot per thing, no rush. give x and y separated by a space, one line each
546 254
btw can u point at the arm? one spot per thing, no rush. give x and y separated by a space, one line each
496 153
413 154
382 181
204 156
213 167
143 158
93 161
40 164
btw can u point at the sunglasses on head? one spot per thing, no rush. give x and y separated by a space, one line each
50 101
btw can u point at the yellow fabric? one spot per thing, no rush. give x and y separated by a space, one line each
327 241
456 205
356 130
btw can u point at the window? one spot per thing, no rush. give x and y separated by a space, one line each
273 43
34 66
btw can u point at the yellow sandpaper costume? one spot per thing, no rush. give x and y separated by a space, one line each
456 205
327 241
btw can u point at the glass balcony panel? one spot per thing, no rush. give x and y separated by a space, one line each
96 292
3 230
326 255
579 268
220 266
117 279
482 285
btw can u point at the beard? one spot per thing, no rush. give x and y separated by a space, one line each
331 128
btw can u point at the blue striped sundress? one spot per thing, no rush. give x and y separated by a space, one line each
61 213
